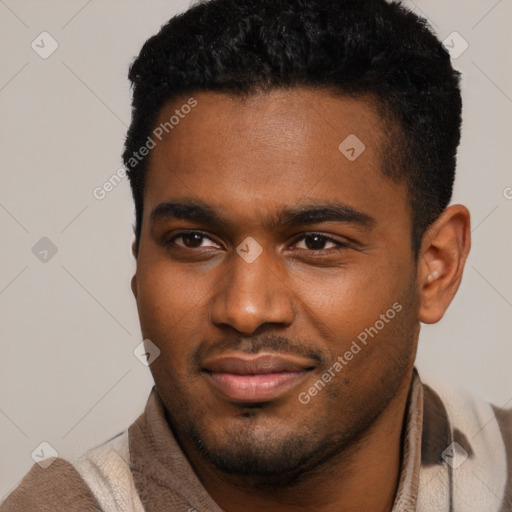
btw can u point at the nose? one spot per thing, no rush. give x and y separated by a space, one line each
251 295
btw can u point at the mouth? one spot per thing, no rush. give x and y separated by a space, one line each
257 379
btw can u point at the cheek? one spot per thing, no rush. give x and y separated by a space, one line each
365 318
168 305
344 302
161 286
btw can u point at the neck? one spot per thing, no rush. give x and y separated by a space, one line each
364 477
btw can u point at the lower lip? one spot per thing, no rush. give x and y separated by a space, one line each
255 388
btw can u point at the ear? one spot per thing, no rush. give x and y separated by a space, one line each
444 250
134 278
134 285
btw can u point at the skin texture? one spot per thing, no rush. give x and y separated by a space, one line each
303 296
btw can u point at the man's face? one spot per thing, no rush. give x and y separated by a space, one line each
249 341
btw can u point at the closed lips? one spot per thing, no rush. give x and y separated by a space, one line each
260 379
259 365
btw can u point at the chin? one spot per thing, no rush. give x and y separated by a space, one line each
268 454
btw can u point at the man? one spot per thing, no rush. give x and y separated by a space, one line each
292 164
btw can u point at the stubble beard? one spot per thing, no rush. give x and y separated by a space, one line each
285 453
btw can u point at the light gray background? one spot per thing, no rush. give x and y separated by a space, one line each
69 325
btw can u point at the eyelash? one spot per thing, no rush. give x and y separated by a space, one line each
339 244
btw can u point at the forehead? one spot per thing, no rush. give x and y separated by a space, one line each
270 150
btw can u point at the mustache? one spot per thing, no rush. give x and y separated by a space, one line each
264 343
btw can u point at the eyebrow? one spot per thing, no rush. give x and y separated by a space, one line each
313 213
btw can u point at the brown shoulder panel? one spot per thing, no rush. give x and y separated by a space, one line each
436 428
58 487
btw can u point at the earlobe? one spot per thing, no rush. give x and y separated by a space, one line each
444 251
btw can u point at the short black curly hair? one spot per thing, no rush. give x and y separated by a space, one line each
354 47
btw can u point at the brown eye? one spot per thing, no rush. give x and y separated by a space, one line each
191 240
316 242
